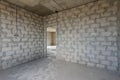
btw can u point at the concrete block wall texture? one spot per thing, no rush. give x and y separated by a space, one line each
29 45
88 34
118 35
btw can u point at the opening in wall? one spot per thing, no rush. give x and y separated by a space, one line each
51 41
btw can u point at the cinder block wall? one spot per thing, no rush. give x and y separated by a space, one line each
118 34
29 45
88 34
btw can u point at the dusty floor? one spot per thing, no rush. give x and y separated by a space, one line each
48 69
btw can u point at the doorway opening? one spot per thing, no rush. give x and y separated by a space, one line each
51 41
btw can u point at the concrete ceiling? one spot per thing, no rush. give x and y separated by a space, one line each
46 7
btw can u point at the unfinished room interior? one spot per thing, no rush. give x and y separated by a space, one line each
59 39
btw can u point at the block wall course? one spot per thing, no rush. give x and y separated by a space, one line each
118 38
29 44
88 34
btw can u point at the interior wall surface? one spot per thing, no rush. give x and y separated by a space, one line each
88 34
28 45
118 36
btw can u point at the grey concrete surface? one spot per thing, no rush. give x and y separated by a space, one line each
51 69
47 7
87 37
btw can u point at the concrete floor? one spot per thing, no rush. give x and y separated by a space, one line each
51 69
